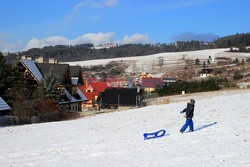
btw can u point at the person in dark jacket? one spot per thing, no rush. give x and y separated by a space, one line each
189 111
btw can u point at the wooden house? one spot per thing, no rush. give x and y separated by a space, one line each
151 84
91 91
205 72
70 79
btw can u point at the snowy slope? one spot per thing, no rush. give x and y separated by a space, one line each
170 59
116 139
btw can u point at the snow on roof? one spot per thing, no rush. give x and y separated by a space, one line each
4 105
31 65
83 98
73 99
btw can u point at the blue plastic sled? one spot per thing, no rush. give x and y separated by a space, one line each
153 135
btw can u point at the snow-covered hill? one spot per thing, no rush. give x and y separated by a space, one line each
221 137
150 63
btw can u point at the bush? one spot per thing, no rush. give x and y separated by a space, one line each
115 72
24 109
48 110
210 84
237 75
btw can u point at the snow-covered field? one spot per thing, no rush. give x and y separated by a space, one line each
170 59
221 137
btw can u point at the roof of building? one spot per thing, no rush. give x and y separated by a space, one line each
99 86
75 71
206 70
96 86
79 97
31 65
3 105
169 79
59 69
151 82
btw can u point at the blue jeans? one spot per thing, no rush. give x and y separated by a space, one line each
189 122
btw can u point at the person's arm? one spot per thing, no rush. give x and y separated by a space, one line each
183 110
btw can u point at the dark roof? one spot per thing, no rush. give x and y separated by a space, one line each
206 71
62 70
69 98
71 75
151 82
169 79
75 71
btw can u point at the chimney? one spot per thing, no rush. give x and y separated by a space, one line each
23 57
39 59
52 61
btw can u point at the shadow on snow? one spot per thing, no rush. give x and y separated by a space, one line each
206 126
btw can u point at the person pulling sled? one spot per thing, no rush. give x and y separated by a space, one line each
189 113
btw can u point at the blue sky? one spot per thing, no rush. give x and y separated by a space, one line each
25 24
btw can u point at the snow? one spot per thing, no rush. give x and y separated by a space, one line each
221 136
170 59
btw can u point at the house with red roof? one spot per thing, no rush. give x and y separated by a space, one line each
91 90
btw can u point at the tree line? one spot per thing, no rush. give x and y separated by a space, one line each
237 40
89 52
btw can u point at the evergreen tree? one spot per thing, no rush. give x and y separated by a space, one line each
242 61
197 61
21 102
47 88
208 61
236 60
204 64
5 75
19 95
237 74
161 62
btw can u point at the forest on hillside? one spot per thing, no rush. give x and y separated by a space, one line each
89 52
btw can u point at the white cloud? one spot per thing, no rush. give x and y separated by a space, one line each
78 6
136 38
96 39
94 4
51 41
110 3
6 46
89 3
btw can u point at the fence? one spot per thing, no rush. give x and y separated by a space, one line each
9 120
150 95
